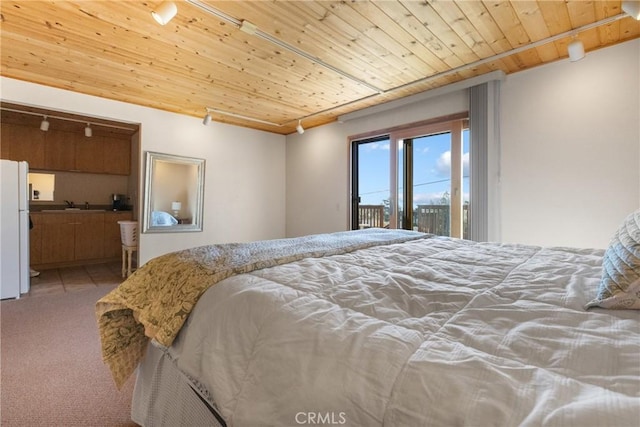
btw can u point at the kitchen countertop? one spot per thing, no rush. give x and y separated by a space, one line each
64 209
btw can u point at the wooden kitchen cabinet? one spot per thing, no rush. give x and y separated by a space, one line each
23 143
117 157
35 239
61 150
90 154
71 151
58 238
89 236
61 239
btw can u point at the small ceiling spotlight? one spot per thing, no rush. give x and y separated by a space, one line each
299 128
576 50
165 12
44 124
632 8
88 132
207 119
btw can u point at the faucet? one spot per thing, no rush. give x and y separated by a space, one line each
70 204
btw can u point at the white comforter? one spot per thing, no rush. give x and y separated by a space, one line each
433 332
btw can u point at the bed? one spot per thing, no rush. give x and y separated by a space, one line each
380 327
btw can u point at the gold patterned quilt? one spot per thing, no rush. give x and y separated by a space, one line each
155 301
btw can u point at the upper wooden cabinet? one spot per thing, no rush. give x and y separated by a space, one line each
90 154
19 143
60 150
117 159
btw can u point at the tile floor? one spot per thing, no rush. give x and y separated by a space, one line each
70 279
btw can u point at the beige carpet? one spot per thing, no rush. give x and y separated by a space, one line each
51 369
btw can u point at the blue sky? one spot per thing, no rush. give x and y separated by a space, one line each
432 157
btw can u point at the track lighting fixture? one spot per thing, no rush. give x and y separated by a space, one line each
88 130
207 119
44 124
576 50
632 8
299 128
165 12
238 116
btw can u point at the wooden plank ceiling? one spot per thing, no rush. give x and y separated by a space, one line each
308 60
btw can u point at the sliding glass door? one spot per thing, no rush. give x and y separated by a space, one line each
416 179
435 184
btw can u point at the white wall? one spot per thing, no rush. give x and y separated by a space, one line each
244 173
570 149
570 144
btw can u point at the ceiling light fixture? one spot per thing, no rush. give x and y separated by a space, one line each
88 132
632 8
240 116
165 12
207 119
44 124
576 50
299 128
248 27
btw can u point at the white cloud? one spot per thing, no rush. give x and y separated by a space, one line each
465 164
443 164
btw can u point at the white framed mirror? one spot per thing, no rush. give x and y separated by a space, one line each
174 192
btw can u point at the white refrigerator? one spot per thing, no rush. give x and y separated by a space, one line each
14 224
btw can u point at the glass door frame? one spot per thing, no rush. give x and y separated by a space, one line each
404 139
396 135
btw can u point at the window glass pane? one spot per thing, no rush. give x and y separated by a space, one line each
432 184
373 183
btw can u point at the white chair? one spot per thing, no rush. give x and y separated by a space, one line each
129 238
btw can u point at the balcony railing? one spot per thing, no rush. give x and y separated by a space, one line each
434 219
371 216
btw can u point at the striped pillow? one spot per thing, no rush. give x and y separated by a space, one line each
620 284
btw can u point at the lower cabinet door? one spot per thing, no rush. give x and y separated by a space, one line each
58 238
89 236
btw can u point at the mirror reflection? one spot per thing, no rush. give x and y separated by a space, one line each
174 192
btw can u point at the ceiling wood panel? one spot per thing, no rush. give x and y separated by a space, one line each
356 53
322 34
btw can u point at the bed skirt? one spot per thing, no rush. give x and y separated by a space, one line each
176 405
